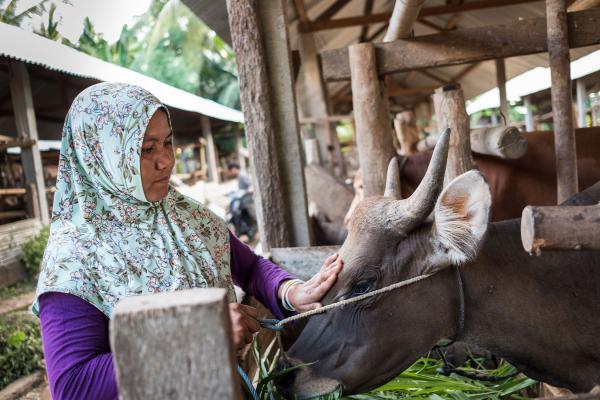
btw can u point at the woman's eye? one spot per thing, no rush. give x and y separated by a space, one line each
147 150
362 288
169 142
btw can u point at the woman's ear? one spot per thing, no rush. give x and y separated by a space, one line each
462 215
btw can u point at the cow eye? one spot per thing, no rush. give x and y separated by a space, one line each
362 288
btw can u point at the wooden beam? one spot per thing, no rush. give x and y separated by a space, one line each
560 228
431 25
375 34
501 82
371 113
22 99
579 5
464 72
325 23
259 35
332 10
433 76
301 9
467 45
562 108
397 90
368 9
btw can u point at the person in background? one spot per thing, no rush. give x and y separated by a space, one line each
244 180
118 229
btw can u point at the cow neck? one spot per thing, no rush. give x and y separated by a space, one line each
460 326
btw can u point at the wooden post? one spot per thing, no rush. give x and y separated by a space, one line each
564 134
211 150
175 345
501 81
311 97
371 115
560 228
260 40
529 124
240 150
581 106
22 100
449 103
407 133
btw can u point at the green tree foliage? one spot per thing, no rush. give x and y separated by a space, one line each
171 44
9 15
49 29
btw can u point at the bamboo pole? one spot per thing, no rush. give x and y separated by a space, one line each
564 134
403 18
371 114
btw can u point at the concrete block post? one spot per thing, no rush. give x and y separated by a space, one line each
174 346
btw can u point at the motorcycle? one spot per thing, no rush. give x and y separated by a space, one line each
241 216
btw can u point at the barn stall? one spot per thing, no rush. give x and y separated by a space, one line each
260 37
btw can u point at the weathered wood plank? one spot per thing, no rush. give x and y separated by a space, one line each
560 228
174 345
303 262
468 45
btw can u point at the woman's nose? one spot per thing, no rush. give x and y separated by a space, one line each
165 160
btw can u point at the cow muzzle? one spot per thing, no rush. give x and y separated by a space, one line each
301 384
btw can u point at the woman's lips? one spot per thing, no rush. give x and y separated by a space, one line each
163 180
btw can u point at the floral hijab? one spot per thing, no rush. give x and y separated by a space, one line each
106 240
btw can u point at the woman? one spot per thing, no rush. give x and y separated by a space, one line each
119 230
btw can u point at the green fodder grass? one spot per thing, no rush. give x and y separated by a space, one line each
421 381
20 346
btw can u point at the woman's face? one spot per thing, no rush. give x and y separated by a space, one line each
157 158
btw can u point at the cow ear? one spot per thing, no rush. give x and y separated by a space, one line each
462 215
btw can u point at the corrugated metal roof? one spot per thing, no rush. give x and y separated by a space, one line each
19 44
479 80
533 81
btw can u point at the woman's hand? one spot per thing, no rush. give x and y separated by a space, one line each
244 323
306 296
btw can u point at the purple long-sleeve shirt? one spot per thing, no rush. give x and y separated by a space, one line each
75 333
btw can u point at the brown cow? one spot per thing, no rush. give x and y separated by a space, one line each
515 184
540 313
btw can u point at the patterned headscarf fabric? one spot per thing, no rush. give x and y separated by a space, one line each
107 241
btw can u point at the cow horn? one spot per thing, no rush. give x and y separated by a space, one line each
392 182
417 207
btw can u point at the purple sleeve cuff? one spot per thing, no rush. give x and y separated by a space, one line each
257 276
